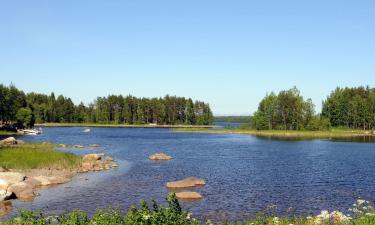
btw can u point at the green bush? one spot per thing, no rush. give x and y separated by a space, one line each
173 214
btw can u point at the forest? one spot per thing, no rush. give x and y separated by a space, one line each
27 109
352 108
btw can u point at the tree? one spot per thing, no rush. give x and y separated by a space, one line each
25 118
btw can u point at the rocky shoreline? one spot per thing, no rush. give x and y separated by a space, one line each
24 184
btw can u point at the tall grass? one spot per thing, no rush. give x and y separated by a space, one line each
37 156
334 133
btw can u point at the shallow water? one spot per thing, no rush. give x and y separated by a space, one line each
244 174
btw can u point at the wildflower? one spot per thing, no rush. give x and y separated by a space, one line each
146 217
361 202
276 220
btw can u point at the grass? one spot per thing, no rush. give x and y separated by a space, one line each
172 214
37 156
5 132
120 125
333 133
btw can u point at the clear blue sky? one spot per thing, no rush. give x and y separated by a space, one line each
229 53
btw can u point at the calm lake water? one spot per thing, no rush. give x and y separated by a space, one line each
244 174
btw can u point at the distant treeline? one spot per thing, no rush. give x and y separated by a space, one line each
232 119
344 107
15 105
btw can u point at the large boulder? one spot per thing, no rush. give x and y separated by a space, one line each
5 195
23 191
188 195
92 157
8 141
186 183
9 178
160 156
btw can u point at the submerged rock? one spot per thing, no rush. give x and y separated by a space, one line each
5 208
186 183
78 146
160 156
189 195
51 180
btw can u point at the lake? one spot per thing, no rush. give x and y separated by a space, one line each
244 174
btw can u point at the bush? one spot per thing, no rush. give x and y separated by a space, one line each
318 123
25 118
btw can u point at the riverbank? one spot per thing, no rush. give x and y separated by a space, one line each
26 167
123 125
334 133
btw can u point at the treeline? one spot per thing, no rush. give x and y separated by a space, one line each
351 108
116 109
288 111
345 107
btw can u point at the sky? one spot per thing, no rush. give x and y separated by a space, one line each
228 53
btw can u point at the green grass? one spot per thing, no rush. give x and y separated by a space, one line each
37 156
5 132
333 133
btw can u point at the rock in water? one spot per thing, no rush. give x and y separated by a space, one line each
188 195
51 180
160 156
186 183
5 195
92 157
23 191
5 208
78 146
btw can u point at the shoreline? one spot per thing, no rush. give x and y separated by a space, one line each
23 180
123 125
334 133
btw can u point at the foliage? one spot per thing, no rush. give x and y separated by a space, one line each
351 108
11 100
173 214
286 111
36 156
117 109
25 117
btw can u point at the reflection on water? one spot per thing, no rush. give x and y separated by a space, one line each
244 174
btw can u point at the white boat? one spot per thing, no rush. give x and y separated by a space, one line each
32 131
87 130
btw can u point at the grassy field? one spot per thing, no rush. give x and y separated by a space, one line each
120 125
333 133
37 156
